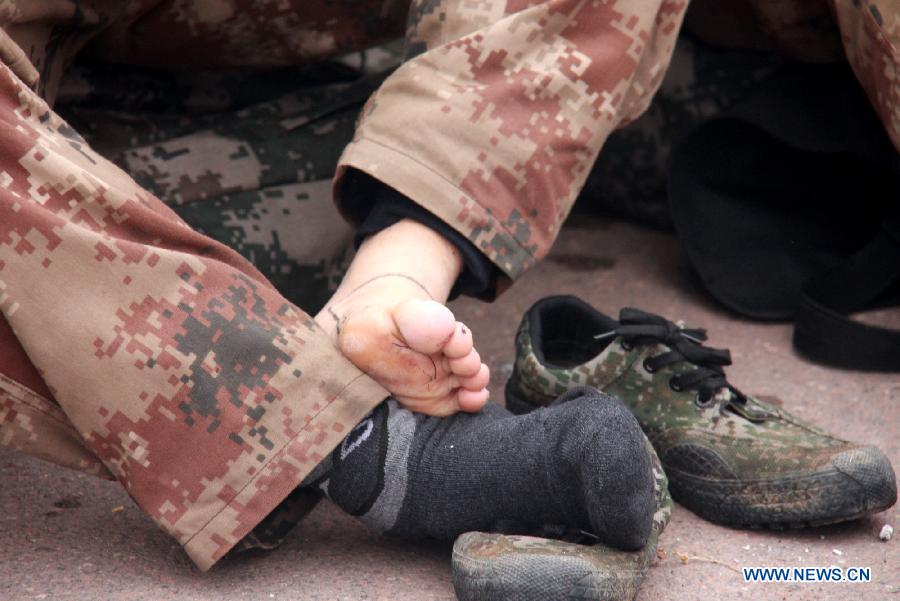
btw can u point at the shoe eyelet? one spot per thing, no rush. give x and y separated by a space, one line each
698 400
674 386
625 346
648 367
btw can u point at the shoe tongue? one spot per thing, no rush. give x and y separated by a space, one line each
632 316
639 323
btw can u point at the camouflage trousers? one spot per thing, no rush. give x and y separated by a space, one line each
137 348
150 302
245 157
277 146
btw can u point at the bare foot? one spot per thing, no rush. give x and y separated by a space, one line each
389 319
411 345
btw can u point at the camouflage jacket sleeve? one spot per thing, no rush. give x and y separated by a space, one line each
498 114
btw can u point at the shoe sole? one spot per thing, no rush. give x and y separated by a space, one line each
527 576
860 482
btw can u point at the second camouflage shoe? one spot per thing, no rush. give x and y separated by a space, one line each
730 457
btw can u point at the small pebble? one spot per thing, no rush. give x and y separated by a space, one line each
887 531
837 551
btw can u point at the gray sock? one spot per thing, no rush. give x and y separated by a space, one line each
579 464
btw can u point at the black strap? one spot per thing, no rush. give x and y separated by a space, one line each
826 334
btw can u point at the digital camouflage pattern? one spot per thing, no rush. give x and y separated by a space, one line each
183 34
737 44
177 347
545 100
512 100
490 566
281 131
742 462
247 172
196 109
511 103
188 350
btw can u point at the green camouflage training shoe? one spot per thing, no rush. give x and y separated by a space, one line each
503 567
730 458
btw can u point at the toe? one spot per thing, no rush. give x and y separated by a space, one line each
443 407
478 381
460 343
471 401
425 325
466 367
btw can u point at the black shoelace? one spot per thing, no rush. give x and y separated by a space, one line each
641 328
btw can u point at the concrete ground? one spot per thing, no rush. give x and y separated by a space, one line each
63 536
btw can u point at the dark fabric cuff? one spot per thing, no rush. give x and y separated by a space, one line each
377 206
